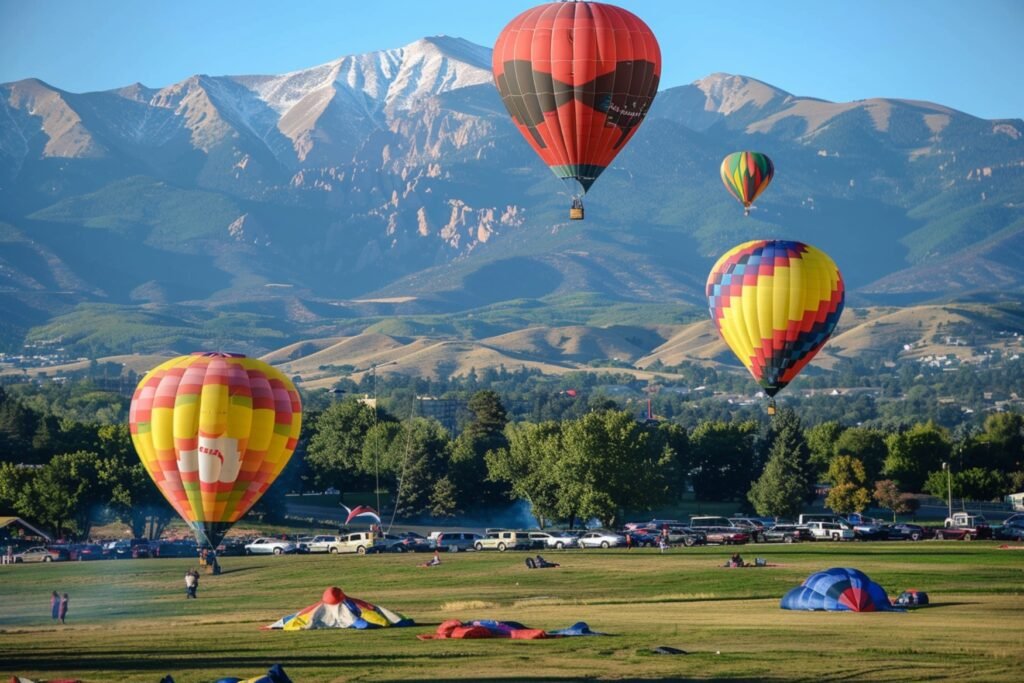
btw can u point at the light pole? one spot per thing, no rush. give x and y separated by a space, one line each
376 435
949 487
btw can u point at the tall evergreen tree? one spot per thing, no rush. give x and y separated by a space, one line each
785 485
484 432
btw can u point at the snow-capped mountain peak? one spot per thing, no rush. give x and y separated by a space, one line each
386 79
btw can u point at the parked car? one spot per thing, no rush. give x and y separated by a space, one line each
173 549
602 539
701 523
1012 529
80 552
908 532
965 526
361 542
412 542
787 533
41 554
325 543
684 535
830 531
231 547
504 539
454 541
754 527
638 538
127 550
725 535
555 539
269 546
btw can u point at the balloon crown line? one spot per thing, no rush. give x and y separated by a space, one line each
217 354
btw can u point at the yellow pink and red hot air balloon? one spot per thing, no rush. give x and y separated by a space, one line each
214 431
775 303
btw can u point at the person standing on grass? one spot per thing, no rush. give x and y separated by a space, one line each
191 583
629 540
63 607
55 605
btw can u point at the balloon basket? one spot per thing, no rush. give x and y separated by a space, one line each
771 407
576 213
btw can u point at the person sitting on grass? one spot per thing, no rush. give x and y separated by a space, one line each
735 561
544 564
433 562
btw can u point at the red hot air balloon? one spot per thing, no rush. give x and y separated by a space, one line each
577 78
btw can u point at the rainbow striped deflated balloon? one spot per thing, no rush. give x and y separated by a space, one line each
214 430
775 303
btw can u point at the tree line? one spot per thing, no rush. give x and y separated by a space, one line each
599 462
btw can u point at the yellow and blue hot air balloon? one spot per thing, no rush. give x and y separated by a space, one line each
746 175
775 303
214 431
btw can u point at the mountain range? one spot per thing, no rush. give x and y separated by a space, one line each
389 193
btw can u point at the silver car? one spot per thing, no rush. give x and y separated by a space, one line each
270 546
555 539
602 539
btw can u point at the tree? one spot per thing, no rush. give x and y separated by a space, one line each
610 461
528 466
335 457
489 417
978 483
1003 440
914 453
821 442
65 492
848 494
868 446
785 484
442 498
723 458
415 459
888 495
468 467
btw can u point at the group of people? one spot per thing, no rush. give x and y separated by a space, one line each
58 606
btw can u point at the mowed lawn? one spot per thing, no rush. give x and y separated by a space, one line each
130 621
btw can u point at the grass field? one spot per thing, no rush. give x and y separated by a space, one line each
130 621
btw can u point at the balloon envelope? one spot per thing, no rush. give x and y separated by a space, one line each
577 78
213 431
840 589
746 175
775 303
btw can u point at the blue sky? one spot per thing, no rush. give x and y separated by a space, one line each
962 53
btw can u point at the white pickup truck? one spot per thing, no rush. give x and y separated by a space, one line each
830 531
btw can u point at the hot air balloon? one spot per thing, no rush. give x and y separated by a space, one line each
746 175
577 78
214 430
775 303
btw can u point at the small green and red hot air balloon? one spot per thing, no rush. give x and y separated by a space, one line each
775 303
746 175
577 79
214 430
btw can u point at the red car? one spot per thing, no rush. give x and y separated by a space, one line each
726 536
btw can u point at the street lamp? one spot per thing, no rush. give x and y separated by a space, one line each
376 435
949 487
